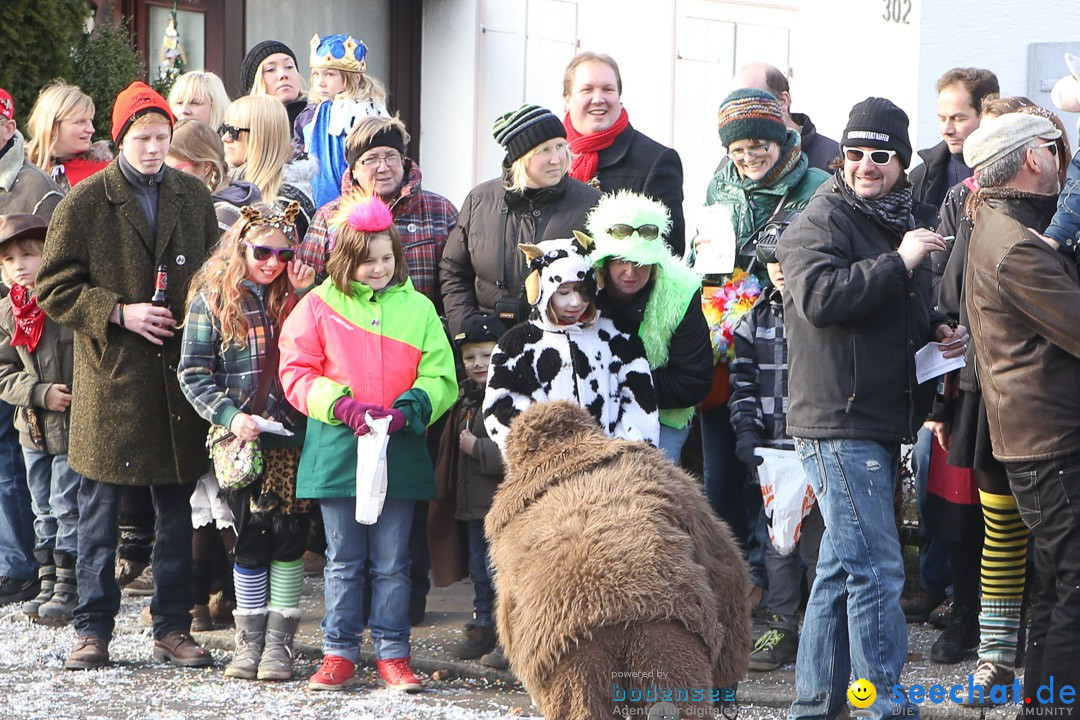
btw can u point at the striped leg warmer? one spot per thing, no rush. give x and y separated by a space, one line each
251 589
286 581
1003 575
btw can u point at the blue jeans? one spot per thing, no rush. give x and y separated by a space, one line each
54 492
385 546
934 576
95 568
480 572
672 441
854 627
16 517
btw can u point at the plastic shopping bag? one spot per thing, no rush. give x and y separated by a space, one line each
371 471
787 496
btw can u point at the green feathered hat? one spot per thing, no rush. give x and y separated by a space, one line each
635 210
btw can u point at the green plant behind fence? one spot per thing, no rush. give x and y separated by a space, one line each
104 64
36 39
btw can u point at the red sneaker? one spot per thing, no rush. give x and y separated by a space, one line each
398 675
336 673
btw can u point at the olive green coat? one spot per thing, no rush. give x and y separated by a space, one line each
130 422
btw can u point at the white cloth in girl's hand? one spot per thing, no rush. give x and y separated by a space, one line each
371 470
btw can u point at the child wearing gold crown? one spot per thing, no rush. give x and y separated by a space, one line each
568 351
363 346
228 372
341 93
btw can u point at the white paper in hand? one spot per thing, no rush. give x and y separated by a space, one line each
716 257
371 470
787 496
930 363
270 426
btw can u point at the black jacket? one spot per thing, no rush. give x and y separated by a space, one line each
820 150
688 375
469 271
854 318
930 181
636 162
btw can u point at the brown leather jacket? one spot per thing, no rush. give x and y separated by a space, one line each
1022 300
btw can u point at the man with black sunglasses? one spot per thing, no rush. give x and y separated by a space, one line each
857 309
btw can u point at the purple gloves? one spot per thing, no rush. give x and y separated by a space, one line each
397 419
352 412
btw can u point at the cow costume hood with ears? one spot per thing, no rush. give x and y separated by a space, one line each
554 262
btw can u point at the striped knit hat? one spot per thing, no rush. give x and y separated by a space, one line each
749 114
519 131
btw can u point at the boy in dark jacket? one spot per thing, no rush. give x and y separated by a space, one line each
477 472
758 404
36 364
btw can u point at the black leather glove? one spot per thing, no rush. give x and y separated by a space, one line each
744 450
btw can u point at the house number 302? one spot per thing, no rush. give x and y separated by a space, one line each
897 11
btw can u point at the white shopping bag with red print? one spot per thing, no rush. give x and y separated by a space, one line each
787 496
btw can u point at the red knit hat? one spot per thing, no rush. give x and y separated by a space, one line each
133 102
7 105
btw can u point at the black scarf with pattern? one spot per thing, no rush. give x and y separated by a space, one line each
893 210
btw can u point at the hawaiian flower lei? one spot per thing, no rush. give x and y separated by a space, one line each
724 306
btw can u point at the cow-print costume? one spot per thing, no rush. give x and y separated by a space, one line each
591 362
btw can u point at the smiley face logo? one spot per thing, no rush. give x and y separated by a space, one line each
862 693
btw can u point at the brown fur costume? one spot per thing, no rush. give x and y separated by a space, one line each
608 559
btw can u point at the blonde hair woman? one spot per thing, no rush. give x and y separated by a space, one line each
258 148
197 150
200 95
61 131
482 270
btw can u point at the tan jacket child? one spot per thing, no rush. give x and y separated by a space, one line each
36 361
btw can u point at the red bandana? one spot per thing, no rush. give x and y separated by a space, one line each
29 319
586 148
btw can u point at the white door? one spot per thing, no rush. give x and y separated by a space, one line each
524 47
712 40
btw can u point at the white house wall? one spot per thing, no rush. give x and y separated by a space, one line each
994 34
448 96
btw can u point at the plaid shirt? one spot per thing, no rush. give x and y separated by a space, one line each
759 374
423 219
220 382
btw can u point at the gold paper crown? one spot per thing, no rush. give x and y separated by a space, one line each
341 52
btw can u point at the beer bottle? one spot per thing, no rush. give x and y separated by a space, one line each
161 286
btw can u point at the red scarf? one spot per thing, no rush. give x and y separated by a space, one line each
586 148
78 169
29 319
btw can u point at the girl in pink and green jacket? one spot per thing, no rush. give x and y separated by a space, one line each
366 345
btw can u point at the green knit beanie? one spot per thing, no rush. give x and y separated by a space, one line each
749 114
